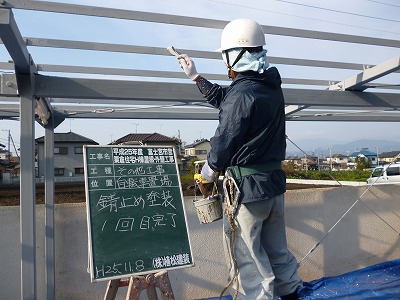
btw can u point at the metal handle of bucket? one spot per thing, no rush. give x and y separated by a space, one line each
214 190
203 191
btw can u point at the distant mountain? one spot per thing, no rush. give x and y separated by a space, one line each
320 147
308 145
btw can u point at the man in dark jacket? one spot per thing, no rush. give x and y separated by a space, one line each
250 144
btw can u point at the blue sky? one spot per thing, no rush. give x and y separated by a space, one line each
357 17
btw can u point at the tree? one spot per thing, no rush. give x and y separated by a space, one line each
362 162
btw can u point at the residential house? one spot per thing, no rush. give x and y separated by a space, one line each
324 166
293 162
309 162
16 169
200 149
151 139
338 162
365 154
8 165
68 154
339 159
4 154
388 157
3 168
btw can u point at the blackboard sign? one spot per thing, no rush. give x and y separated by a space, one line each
135 211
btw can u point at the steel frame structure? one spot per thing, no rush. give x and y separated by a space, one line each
27 95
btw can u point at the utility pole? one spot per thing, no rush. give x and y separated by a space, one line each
179 142
8 145
15 148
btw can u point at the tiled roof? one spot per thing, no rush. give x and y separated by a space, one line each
69 137
144 138
365 153
389 154
195 143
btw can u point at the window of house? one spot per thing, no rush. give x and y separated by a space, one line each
78 150
59 172
61 150
79 171
201 152
189 151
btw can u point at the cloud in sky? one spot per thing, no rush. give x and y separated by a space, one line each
271 12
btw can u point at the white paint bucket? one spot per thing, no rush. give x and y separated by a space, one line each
209 209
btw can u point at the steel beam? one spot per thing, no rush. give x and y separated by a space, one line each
13 41
193 114
82 45
25 81
8 111
59 87
357 82
209 76
49 211
99 92
293 113
27 188
169 74
344 118
150 113
189 21
345 99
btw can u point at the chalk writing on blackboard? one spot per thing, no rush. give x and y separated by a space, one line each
136 217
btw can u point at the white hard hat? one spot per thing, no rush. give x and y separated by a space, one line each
242 33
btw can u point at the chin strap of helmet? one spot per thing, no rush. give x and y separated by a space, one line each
234 63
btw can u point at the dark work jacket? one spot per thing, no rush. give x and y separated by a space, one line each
251 131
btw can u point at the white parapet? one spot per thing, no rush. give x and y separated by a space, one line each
366 235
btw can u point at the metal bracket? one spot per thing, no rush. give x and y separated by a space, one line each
139 283
9 85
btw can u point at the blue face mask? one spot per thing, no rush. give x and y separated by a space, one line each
255 61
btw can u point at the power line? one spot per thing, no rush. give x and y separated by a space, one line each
302 17
338 11
394 5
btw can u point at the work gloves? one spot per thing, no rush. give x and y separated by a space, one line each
188 66
207 173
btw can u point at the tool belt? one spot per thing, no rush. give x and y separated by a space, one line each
238 172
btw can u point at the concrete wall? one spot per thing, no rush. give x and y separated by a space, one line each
361 239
